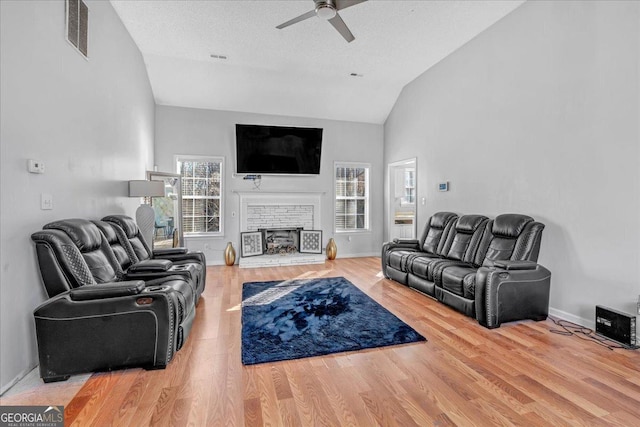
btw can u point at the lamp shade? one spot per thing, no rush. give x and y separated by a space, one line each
144 188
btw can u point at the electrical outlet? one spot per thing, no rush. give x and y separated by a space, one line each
207 247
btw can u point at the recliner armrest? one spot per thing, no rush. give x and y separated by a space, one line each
516 265
169 251
150 266
505 295
106 290
408 242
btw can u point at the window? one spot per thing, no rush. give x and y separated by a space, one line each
201 194
352 196
409 197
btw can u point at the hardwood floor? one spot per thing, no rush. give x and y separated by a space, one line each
519 374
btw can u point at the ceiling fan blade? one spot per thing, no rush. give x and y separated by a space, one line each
339 25
302 17
343 4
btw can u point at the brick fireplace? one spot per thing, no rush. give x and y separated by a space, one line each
274 210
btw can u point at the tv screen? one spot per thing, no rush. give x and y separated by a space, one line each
278 150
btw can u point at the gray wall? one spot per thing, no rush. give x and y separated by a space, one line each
539 115
90 121
212 133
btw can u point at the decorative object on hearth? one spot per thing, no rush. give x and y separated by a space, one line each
145 215
311 241
332 249
292 319
229 254
251 243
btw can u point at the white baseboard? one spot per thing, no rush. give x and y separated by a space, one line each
358 255
591 324
14 381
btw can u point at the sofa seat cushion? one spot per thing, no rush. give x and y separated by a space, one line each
459 279
419 264
398 258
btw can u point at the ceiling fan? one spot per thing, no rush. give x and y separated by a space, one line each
328 10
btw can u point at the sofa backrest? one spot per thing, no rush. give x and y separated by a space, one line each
61 265
464 239
127 229
510 237
92 246
434 235
121 248
73 253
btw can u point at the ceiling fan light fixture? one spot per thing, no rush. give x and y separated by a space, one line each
325 11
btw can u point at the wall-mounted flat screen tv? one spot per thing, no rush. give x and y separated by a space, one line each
278 150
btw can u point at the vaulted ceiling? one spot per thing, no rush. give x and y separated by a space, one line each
302 70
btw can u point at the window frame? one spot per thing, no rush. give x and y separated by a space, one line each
219 159
403 199
366 198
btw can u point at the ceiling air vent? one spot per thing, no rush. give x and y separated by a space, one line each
78 25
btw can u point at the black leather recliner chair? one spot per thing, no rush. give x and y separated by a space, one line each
484 269
149 269
432 244
94 320
133 241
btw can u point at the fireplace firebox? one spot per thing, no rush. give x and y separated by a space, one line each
281 240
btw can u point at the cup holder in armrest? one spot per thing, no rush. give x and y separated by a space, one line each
155 289
180 267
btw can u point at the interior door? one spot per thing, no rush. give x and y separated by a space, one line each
168 211
402 199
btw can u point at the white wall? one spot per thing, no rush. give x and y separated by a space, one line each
212 133
90 121
539 115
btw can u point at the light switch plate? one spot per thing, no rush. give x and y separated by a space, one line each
46 202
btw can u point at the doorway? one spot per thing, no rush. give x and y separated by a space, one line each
402 199
168 211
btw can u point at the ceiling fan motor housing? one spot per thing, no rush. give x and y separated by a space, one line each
325 9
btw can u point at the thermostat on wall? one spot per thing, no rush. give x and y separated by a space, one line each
443 186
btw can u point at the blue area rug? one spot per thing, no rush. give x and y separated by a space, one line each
292 319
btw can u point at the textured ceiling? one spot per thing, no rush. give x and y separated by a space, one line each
303 70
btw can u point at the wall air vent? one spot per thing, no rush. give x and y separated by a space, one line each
78 25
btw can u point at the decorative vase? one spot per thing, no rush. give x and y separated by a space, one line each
332 249
229 254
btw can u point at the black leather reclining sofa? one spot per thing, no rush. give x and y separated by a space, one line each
107 309
483 268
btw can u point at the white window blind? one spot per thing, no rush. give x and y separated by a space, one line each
352 197
201 194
